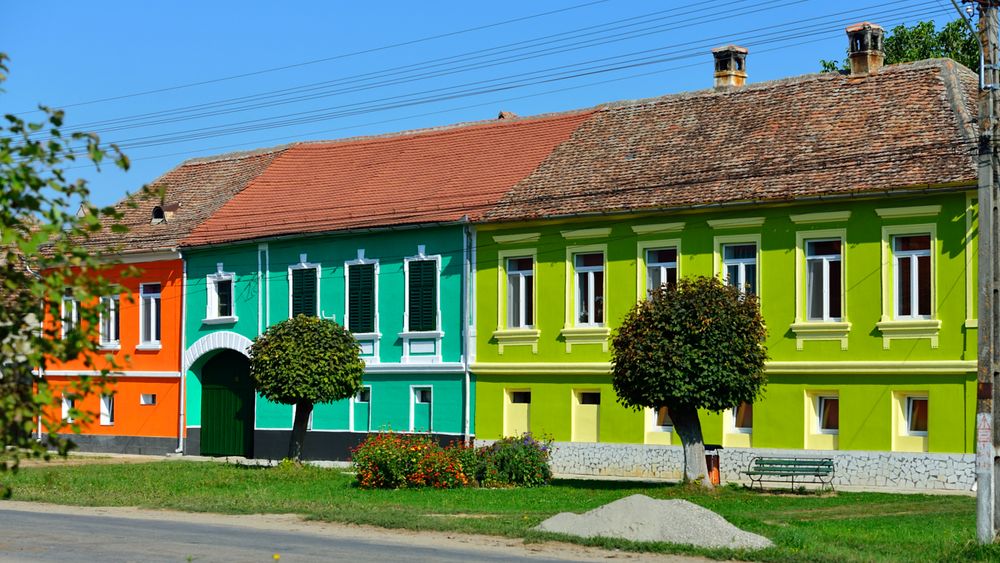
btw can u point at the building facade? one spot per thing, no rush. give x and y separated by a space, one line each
139 333
855 225
373 233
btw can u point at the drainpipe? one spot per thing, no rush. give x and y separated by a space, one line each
183 343
466 384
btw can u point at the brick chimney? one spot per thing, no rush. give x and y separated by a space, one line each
865 51
730 67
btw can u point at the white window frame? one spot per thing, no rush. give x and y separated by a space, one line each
820 404
305 264
908 413
107 410
739 429
147 399
74 316
110 309
661 266
364 338
741 264
654 427
825 260
154 321
642 272
212 302
67 405
914 277
520 276
591 294
421 256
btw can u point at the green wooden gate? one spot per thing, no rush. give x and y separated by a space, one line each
227 406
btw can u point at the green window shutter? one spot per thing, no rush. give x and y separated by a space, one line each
304 292
361 298
423 295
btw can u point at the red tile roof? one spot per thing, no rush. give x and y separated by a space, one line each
191 193
438 175
909 125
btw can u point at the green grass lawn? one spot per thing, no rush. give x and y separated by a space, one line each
806 527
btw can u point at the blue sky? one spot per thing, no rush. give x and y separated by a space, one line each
389 66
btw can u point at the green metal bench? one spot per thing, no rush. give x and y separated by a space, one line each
782 469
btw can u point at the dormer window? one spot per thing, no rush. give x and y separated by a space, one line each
158 216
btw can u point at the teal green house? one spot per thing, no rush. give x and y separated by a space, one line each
374 233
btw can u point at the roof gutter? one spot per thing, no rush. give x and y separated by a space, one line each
898 192
464 220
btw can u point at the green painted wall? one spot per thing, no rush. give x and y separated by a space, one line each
255 309
779 421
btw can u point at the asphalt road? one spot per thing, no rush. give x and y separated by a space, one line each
47 533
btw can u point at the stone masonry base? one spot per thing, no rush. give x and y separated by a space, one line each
889 470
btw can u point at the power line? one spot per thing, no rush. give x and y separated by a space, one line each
332 58
506 48
257 101
345 111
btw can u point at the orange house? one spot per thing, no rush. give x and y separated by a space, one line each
142 409
139 411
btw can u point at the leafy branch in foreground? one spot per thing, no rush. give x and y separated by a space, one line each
45 259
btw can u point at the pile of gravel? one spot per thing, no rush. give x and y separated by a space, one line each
640 518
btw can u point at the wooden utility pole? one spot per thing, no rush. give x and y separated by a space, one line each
988 388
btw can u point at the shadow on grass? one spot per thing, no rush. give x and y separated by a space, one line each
604 485
648 547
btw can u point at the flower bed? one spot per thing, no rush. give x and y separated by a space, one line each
392 461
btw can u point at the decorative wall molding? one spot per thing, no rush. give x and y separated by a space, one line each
223 339
586 233
827 217
905 212
516 238
739 222
657 228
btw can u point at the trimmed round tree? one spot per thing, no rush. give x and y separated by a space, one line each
304 361
696 345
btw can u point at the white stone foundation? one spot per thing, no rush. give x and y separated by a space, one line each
890 470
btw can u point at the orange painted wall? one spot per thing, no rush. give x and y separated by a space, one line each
169 274
131 418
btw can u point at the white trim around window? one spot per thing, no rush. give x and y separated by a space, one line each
107 410
69 312
150 309
421 347
642 273
369 341
110 323
830 327
526 334
913 327
575 333
718 265
304 264
214 308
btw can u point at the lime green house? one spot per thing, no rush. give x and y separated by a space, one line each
846 202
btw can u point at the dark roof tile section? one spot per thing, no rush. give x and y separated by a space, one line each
188 194
908 125
438 175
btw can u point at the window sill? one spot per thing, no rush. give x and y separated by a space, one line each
109 347
517 337
367 335
915 328
149 347
821 330
220 320
422 334
586 335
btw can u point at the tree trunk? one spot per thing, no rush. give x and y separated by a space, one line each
688 427
302 411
